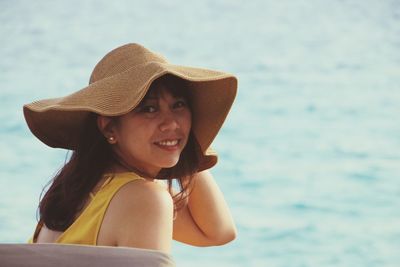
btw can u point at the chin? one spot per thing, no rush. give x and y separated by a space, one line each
169 163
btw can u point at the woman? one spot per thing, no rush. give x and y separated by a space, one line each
140 121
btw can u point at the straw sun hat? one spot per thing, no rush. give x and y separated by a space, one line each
117 85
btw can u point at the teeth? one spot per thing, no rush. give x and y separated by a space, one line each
168 143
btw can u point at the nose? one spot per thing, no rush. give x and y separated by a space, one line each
168 122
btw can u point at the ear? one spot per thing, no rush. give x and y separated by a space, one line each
105 125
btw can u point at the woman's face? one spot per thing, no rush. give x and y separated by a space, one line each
153 135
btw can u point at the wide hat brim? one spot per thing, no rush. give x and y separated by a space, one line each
56 122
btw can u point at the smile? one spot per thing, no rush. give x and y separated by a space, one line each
168 144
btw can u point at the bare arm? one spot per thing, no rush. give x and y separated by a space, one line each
205 220
142 216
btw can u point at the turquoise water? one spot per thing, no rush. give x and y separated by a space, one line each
310 155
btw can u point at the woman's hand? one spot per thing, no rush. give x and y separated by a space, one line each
205 219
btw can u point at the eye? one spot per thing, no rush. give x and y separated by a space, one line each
147 109
180 104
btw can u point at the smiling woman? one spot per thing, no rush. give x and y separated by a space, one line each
153 135
139 121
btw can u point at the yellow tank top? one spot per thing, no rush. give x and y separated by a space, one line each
86 227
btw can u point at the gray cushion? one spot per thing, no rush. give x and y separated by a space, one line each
60 255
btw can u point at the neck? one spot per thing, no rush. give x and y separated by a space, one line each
123 166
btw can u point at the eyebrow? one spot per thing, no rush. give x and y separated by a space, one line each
152 97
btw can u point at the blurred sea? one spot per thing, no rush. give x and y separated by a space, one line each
310 154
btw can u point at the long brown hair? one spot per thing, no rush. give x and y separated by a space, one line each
71 186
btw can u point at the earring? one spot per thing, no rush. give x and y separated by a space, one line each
111 139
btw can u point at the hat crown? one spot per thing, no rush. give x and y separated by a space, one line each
122 59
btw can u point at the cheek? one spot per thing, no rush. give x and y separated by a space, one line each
135 145
132 135
136 136
187 121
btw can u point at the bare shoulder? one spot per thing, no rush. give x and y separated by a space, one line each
149 192
141 214
146 195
